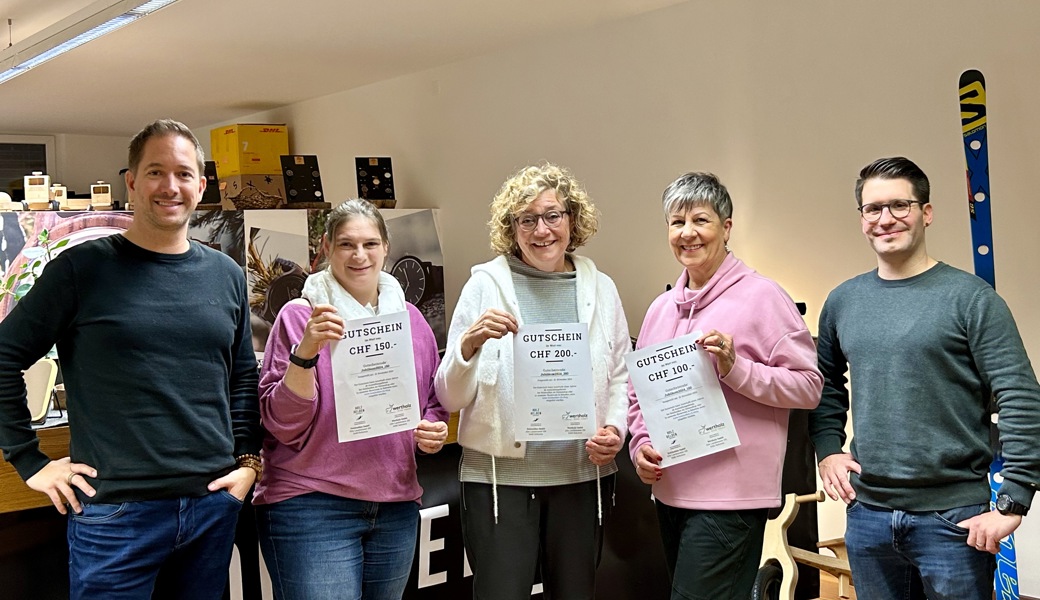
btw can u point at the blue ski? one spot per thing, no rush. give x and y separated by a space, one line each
976 160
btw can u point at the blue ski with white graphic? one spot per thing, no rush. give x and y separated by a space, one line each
976 159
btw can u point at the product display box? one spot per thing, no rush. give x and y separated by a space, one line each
211 197
375 180
241 192
249 149
302 179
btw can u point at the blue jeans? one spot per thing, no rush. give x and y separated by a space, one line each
901 555
318 546
180 548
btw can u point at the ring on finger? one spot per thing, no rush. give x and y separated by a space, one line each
68 478
722 344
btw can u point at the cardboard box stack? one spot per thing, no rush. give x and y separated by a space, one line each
249 167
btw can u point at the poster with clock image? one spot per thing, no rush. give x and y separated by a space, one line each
276 267
416 261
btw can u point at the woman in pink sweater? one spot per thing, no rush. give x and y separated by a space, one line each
338 519
712 510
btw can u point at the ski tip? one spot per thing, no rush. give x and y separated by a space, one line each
972 76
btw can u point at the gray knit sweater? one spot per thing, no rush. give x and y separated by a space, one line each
924 356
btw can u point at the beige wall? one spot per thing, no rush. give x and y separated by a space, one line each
84 159
785 101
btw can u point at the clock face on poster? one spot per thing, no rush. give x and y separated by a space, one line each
410 272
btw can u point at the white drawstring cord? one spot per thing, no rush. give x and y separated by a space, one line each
599 499
494 487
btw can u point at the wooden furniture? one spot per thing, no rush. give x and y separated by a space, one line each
779 572
39 385
829 588
841 569
14 494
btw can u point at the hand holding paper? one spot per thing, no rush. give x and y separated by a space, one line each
430 436
493 324
681 399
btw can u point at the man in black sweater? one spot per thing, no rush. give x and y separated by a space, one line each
927 346
153 336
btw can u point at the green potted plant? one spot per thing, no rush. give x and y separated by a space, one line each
21 280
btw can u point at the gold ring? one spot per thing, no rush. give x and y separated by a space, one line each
722 344
68 478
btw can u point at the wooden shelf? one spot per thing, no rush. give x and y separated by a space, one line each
14 494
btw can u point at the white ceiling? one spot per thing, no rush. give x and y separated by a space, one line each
210 61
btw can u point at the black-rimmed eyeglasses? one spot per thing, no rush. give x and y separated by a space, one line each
529 221
897 208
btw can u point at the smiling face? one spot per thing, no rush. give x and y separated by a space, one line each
166 186
356 254
544 247
698 238
895 240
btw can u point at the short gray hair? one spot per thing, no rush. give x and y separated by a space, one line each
697 189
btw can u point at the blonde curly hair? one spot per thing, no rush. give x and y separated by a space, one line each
523 188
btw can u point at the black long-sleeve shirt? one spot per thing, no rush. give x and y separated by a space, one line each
156 354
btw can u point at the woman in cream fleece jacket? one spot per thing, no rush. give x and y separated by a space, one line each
534 506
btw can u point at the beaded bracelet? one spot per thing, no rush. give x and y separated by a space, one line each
251 461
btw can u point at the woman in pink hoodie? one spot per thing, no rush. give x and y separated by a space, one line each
712 510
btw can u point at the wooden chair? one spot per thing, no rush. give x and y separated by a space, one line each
778 571
39 385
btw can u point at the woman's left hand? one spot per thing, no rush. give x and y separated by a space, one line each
430 435
603 446
721 345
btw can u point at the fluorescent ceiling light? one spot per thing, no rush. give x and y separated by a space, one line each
88 24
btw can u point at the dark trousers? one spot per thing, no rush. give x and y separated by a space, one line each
712 555
552 530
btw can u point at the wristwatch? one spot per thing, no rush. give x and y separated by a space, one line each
306 363
1007 506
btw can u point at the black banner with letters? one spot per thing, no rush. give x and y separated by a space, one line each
632 565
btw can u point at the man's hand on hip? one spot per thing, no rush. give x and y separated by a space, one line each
56 479
834 471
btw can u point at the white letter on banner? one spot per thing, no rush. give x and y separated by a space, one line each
428 546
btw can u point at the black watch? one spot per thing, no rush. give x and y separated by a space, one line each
1006 505
306 363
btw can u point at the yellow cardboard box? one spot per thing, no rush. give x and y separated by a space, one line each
249 149
241 192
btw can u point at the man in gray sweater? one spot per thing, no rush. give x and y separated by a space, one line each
926 347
